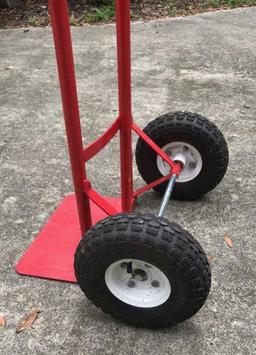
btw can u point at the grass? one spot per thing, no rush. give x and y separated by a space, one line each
103 13
237 3
172 11
230 3
213 3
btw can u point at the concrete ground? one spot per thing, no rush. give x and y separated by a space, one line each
204 63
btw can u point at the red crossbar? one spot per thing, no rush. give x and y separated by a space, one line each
151 185
175 167
99 200
94 148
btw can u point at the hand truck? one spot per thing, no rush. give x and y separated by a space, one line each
137 267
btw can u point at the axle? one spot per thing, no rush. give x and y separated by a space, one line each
181 159
167 195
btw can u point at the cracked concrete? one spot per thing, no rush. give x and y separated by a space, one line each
203 63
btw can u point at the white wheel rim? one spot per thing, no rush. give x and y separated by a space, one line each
192 157
148 286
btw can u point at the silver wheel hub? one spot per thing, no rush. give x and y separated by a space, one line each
187 154
137 283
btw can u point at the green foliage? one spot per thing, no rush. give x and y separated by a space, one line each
236 3
213 3
172 11
102 13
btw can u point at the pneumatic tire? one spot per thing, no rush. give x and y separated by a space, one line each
190 134
143 270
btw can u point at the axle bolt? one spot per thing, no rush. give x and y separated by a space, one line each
155 283
131 284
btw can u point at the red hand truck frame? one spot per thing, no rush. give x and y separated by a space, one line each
51 253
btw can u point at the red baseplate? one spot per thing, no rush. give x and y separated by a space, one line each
51 254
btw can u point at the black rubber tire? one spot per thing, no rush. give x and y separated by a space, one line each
154 240
193 129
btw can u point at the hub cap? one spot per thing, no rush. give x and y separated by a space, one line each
193 165
137 283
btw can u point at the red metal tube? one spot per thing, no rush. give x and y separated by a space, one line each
124 89
64 55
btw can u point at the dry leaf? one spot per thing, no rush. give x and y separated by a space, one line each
28 321
228 240
2 321
210 258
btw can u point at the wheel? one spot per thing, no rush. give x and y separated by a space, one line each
201 145
143 270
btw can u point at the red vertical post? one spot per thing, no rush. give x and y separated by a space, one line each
123 31
64 55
